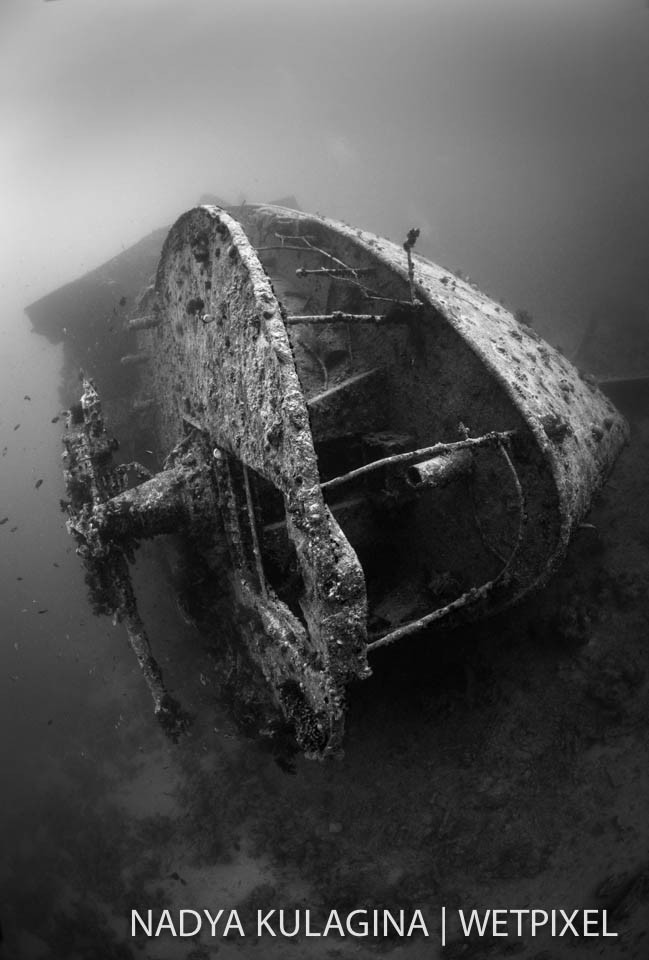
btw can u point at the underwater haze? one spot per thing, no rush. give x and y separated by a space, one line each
515 135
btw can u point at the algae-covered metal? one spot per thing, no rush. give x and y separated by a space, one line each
368 445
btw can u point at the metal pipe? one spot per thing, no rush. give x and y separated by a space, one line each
489 439
441 470
339 317
475 593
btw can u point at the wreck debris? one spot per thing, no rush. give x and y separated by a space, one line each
94 488
411 240
439 450
315 470
475 593
339 317
438 471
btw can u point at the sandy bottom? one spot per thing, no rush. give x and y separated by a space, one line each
503 766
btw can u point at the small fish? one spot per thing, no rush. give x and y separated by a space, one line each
4 520
55 419
18 578
39 483
55 564
43 611
13 529
17 426
4 451
26 397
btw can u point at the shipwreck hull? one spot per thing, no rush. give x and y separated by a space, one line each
468 360
357 446
381 375
221 363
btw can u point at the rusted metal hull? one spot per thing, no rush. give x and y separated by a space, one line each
384 448
471 361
